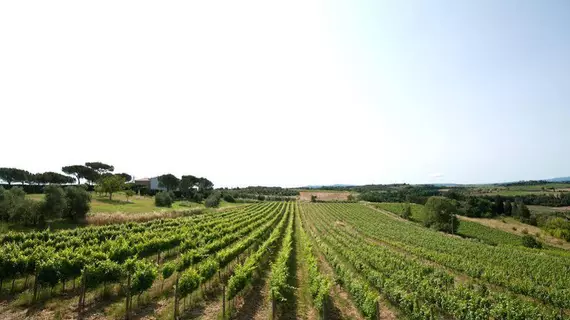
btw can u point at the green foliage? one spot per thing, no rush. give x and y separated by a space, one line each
55 202
531 242
51 178
168 181
229 198
78 203
278 279
508 208
101 272
14 207
213 201
129 194
127 177
188 282
81 172
407 212
243 273
14 175
440 214
99 167
478 207
163 199
114 253
319 284
531 284
111 184
168 269
143 276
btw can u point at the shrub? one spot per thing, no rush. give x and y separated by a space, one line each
28 212
163 199
129 193
55 202
213 200
406 211
229 198
530 242
78 203
524 231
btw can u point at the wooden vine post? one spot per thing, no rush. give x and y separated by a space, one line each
273 306
35 285
128 299
378 309
223 302
81 303
176 298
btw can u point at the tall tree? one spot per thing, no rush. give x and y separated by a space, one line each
523 212
499 206
440 214
52 178
205 186
100 167
112 184
168 181
80 172
188 185
508 208
14 175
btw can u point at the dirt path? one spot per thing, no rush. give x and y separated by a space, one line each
255 304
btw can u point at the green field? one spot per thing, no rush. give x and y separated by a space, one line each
550 188
281 260
466 229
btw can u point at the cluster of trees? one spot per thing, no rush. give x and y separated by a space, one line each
189 187
440 214
260 193
480 207
526 183
14 175
72 203
91 172
407 193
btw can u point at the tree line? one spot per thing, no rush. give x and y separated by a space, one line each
73 203
90 172
188 187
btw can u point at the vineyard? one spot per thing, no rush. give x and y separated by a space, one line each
279 260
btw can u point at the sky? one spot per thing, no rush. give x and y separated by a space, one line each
289 93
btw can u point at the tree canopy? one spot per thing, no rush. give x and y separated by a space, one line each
111 184
168 181
440 214
80 172
125 176
14 175
100 167
51 178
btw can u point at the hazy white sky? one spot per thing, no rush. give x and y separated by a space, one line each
288 93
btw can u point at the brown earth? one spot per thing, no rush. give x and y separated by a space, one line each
324 196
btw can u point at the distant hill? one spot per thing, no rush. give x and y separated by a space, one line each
561 179
328 186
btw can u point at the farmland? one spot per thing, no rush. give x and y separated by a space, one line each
283 260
